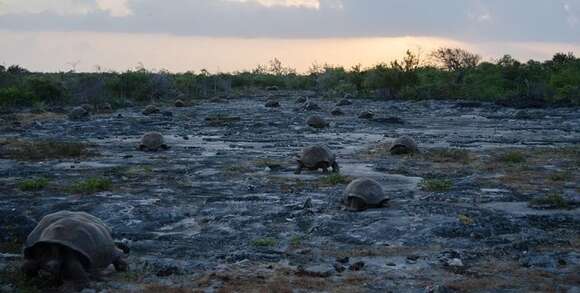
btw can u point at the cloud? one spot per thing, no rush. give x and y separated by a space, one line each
469 20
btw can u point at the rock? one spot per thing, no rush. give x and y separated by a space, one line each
389 120
151 109
357 266
300 100
88 107
337 112
316 122
179 103
307 204
343 260
267 169
106 108
272 104
455 262
308 106
344 102
339 267
318 271
78 114
366 115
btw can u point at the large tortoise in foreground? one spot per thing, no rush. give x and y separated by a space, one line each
70 246
364 193
152 142
317 157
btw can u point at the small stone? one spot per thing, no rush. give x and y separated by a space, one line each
336 112
150 109
345 259
179 103
319 271
267 169
455 262
272 104
339 267
357 266
366 115
307 204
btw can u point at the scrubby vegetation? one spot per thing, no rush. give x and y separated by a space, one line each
28 150
446 74
436 185
92 185
34 184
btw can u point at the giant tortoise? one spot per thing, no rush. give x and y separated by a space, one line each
364 193
70 246
317 157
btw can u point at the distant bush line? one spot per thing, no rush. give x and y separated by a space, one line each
449 74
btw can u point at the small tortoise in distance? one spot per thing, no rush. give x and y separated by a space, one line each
69 246
151 109
317 157
364 193
403 145
78 113
152 141
316 122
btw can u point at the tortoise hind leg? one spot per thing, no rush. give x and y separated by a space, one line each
74 271
335 167
299 169
30 268
119 261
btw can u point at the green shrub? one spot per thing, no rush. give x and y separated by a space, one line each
265 242
553 200
34 184
436 185
92 185
512 157
335 179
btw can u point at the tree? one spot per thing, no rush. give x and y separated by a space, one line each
456 59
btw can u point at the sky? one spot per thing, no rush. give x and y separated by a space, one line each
230 35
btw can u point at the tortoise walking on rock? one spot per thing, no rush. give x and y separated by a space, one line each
316 122
78 113
317 157
69 246
152 141
364 193
403 145
151 109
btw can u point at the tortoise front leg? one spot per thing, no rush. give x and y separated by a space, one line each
119 261
30 268
299 169
74 272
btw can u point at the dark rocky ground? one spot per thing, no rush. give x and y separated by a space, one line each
222 211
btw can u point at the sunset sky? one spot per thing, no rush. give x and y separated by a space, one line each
228 35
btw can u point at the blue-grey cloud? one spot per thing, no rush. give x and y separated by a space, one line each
472 20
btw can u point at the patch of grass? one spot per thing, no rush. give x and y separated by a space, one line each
265 242
34 184
436 185
512 157
553 200
296 240
92 185
452 155
560 176
272 164
465 219
42 150
236 169
335 179
221 120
